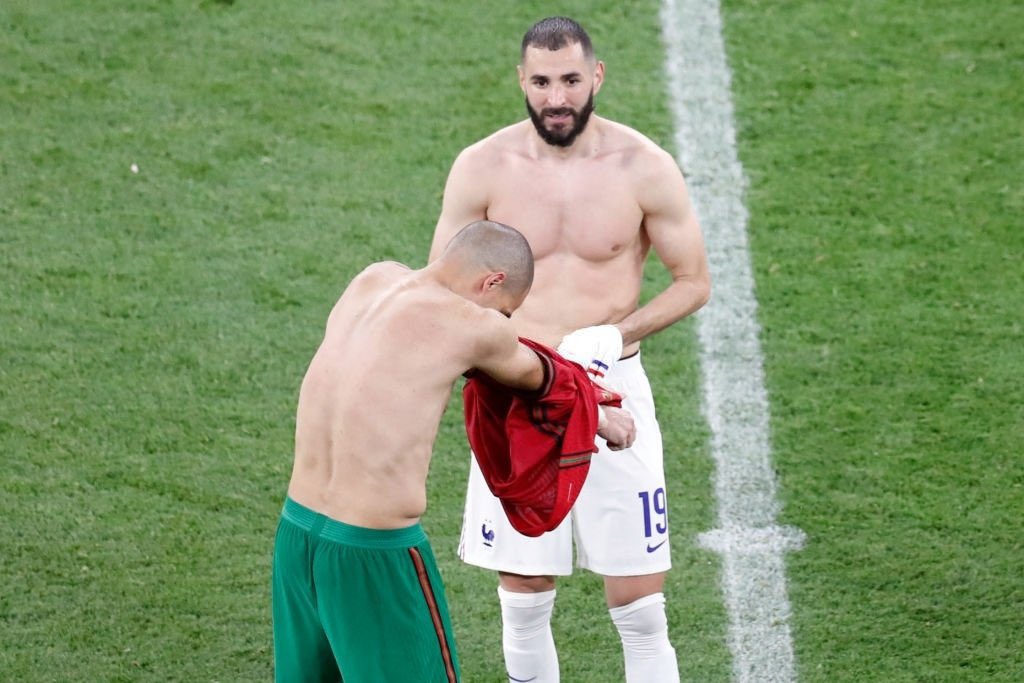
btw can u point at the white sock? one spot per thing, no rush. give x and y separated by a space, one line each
526 636
643 628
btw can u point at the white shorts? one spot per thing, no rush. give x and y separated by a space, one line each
619 521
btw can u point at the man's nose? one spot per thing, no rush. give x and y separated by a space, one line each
556 96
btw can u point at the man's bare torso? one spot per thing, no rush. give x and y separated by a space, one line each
369 408
583 217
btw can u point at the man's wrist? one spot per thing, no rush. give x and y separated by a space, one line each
625 331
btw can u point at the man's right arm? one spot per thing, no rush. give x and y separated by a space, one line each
507 360
463 202
615 425
503 357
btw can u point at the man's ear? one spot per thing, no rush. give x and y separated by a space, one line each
598 76
493 280
522 77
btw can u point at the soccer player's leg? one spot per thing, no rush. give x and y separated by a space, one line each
623 534
527 566
302 653
383 606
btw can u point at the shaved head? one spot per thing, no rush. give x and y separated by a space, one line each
495 247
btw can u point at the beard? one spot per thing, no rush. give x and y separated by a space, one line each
564 137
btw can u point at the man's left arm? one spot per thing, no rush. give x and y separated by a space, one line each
674 230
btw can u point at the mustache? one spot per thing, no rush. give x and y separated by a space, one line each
557 111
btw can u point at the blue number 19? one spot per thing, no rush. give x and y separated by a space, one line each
654 505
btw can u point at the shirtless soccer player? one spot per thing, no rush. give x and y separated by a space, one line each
356 592
593 197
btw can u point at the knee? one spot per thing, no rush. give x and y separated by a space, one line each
525 615
517 583
642 617
626 590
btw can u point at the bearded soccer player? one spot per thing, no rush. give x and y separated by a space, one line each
593 197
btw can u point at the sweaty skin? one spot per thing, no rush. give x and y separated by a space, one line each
591 211
369 409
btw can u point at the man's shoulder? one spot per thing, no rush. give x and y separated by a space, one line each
445 306
383 270
376 276
640 158
510 139
469 330
631 140
467 315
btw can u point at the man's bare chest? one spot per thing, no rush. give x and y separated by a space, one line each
591 215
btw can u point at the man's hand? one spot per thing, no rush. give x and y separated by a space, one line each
616 426
595 348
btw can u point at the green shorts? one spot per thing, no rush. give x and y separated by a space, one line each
357 605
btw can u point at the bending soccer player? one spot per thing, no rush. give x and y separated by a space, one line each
356 592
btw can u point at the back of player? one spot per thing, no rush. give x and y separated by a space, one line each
356 591
370 403
350 550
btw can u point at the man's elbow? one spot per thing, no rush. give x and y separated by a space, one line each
702 290
698 290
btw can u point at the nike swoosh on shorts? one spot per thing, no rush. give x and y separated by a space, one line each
651 548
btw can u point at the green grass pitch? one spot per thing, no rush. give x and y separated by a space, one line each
186 187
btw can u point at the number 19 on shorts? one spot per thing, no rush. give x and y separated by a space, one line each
655 512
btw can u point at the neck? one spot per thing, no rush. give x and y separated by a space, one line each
586 143
448 274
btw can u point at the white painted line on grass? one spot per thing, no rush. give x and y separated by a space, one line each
735 401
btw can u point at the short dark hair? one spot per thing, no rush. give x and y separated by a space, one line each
554 33
495 246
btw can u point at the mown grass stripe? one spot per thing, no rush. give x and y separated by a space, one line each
735 401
